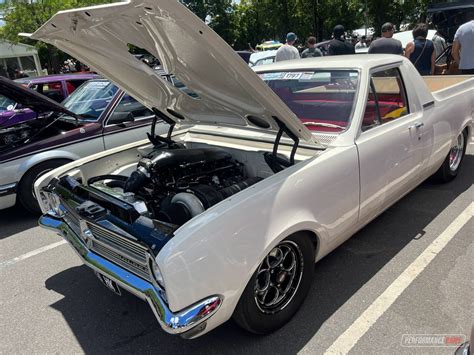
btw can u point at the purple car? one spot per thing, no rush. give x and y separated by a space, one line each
55 87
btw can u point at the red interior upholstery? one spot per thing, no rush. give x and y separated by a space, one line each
335 107
387 103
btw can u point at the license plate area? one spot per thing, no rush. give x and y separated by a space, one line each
109 283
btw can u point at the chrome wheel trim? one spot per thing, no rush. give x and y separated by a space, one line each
278 277
455 154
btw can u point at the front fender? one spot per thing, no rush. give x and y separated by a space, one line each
35 159
218 251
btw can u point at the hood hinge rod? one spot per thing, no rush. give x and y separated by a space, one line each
157 140
284 129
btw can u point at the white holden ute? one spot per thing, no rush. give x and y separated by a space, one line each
261 174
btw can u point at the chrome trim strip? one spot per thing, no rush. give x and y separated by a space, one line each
8 189
173 323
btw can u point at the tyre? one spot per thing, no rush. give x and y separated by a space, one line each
25 190
451 165
278 287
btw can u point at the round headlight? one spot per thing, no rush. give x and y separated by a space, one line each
157 273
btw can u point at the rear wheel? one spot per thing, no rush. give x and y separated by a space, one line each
278 287
451 165
26 194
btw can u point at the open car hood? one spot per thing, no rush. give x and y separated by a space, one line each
228 92
30 98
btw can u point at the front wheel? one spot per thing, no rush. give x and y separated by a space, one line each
451 165
278 287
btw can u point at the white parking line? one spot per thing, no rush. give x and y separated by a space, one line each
347 340
31 253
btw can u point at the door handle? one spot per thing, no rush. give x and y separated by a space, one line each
416 125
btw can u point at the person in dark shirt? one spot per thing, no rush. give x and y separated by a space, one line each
421 51
338 45
386 44
311 51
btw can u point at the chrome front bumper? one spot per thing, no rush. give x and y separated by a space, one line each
188 322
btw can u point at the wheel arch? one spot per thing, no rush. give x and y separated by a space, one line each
304 231
468 129
36 159
314 237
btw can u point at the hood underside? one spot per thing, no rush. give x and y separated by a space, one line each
228 92
30 98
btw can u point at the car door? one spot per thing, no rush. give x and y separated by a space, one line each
128 122
389 145
72 84
53 90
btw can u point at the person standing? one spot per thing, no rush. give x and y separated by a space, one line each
362 43
386 44
311 51
421 51
440 45
463 46
338 45
288 51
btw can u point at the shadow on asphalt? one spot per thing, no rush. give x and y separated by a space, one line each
102 321
16 220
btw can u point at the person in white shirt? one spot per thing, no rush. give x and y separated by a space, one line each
463 46
362 43
288 51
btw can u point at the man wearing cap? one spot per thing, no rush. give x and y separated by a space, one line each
288 51
338 45
386 44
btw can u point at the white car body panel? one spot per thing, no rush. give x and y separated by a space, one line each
257 57
330 194
100 37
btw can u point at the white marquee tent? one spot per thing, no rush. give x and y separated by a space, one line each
19 56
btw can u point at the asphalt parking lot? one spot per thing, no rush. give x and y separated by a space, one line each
408 272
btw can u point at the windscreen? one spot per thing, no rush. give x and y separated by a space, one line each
6 104
91 98
322 99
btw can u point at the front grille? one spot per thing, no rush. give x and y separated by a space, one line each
110 238
110 245
122 251
72 219
119 259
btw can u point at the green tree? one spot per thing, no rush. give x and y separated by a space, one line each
198 7
218 14
27 17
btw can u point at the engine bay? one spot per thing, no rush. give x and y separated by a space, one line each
11 135
175 185
174 180
40 128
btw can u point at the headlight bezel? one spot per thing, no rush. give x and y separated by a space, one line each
53 204
156 273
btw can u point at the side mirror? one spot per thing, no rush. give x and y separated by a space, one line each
121 117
